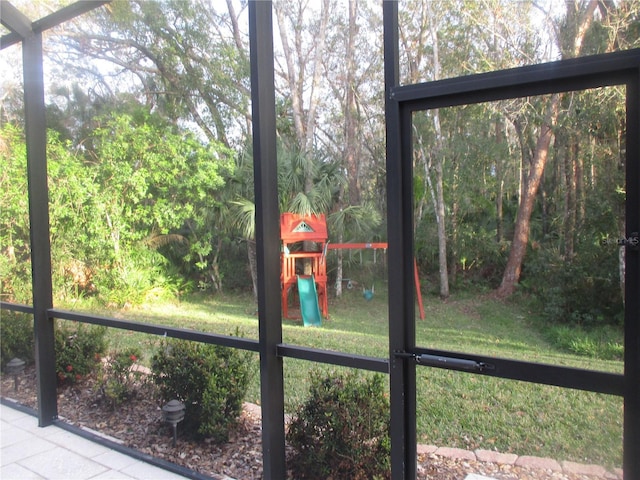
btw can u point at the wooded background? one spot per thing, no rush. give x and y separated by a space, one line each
150 162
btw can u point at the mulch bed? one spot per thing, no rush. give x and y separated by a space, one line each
138 424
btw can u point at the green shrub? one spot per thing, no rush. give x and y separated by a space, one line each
79 350
117 379
605 343
210 380
342 430
16 337
582 291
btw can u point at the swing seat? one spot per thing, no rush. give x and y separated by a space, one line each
368 294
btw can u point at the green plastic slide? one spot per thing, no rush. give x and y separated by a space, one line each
309 307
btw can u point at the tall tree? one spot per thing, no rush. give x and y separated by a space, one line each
351 145
303 71
354 78
579 16
185 59
446 39
303 64
438 162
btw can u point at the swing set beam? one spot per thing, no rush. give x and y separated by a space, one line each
355 246
358 246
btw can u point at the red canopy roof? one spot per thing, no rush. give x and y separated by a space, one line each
297 228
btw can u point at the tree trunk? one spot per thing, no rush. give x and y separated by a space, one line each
525 156
253 267
570 206
500 182
581 197
351 154
292 78
437 200
300 66
440 208
339 269
622 262
442 234
579 19
215 267
453 223
523 219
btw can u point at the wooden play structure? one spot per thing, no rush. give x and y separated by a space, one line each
295 229
305 272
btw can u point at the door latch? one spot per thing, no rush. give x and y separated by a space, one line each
451 363
632 242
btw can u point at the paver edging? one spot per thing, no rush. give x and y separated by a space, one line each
538 462
583 469
492 456
458 453
542 463
426 449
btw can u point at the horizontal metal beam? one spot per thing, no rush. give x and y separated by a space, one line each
14 19
21 27
356 246
342 359
161 330
16 307
9 39
553 77
67 13
566 377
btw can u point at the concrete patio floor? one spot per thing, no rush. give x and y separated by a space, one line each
30 452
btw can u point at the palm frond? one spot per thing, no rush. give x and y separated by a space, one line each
244 217
157 241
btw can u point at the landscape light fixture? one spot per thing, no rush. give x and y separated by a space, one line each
15 367
173 412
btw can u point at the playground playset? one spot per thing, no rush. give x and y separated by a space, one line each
312 286
305 271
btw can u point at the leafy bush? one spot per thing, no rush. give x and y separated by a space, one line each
342 430
78 350
15 261
584 291
117 380
210 380
17 339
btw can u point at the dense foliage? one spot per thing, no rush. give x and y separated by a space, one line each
342 429
113 208
15 264
210 380
17 338
79 350
118 377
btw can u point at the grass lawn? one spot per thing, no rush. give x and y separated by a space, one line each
454 409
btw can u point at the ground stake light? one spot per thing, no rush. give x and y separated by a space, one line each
173 412
15 367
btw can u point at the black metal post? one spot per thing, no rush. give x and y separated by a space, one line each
631 442
36 136
267 237
402 371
